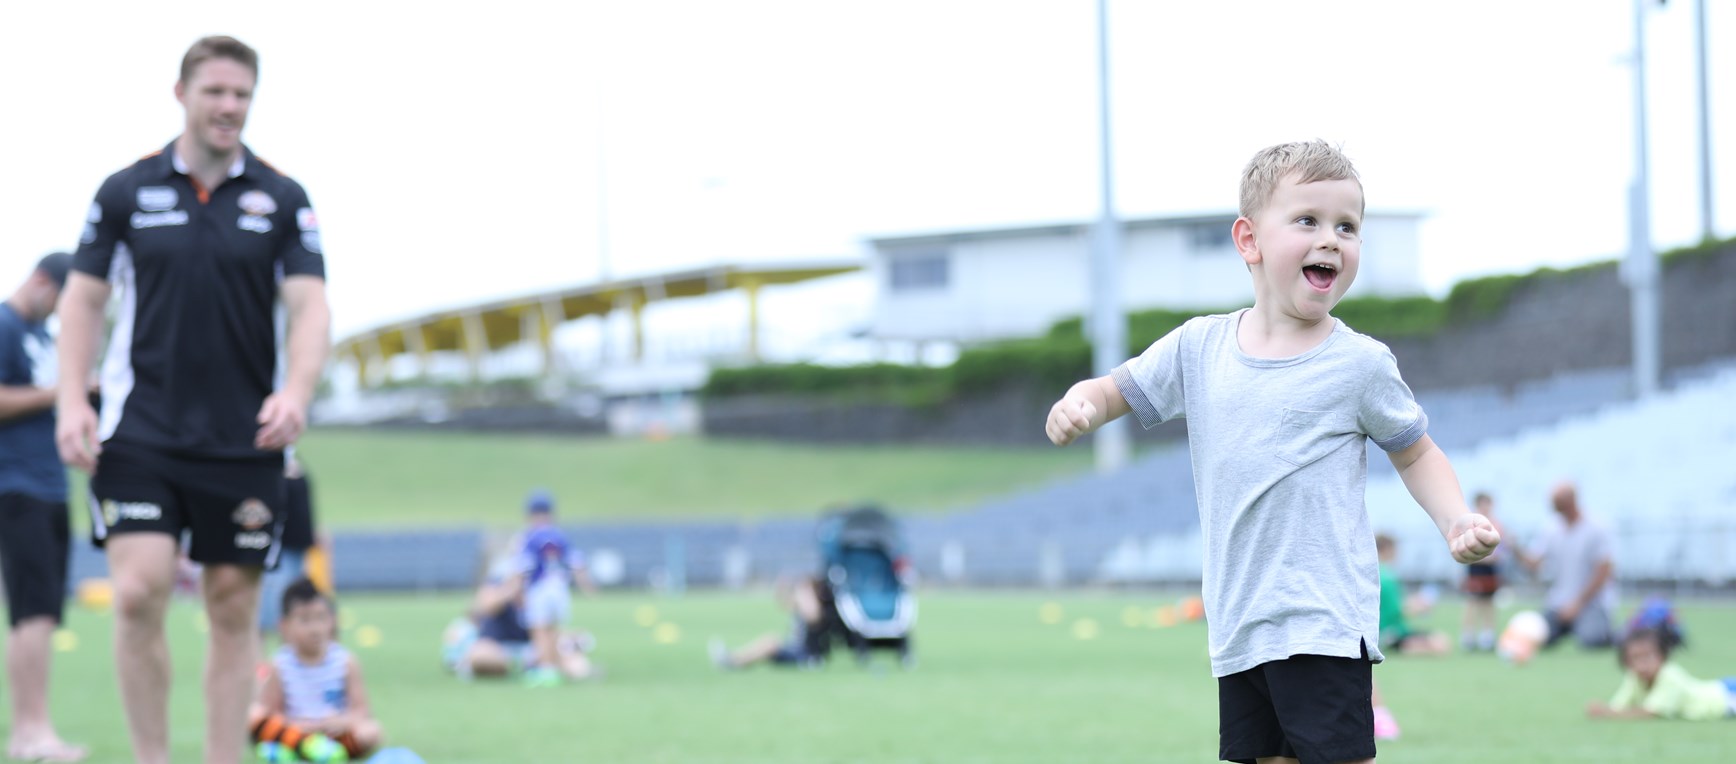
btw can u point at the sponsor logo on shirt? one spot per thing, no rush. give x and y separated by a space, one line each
254 223
252 514
159 219
158 198
257 202
115 511
309 225
252 540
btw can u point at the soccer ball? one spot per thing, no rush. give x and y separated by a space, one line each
274 753
1525 633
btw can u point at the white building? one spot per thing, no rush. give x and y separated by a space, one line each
1001 283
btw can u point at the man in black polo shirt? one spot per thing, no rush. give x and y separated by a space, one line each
34 533
201 240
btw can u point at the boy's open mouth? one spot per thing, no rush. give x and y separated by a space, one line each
1320 276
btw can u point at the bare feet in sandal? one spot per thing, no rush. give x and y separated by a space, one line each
51 750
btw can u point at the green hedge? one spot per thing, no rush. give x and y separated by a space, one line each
1063 356
1049 363
911 385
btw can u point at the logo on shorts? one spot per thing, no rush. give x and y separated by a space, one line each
115 511
252 540
257 202
252 515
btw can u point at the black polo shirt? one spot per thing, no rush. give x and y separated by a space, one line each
195 346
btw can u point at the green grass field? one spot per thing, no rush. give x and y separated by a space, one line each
994 684
376 478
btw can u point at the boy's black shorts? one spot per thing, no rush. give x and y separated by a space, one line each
234 507
1309 707
1482 580
35 539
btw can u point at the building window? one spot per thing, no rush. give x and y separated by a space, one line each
1210 238
918 271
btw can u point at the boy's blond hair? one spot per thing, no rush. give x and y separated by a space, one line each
1310 161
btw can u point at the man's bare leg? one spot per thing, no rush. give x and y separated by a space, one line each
142 566
27 654
487 658
231 607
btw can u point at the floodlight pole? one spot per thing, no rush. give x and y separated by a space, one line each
1108 325
1641 271
1708 226
605 271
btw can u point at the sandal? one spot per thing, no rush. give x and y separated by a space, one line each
58 751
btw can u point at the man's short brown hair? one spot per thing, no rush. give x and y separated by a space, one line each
218 46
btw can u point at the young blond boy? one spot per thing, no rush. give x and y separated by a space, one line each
1280 399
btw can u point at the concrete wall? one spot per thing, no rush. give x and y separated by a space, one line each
1581 322
1019 284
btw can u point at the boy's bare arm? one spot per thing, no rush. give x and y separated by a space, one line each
1599 577
1087 406
582 578
1430 479
356 695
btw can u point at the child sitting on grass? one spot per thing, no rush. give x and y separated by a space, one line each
1654 687
313 703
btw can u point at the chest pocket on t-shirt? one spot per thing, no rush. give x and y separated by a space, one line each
1303 436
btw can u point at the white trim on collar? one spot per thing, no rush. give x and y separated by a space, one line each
235 170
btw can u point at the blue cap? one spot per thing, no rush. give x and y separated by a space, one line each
539 502
56 267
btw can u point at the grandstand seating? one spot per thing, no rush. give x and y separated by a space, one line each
407 559
1660 472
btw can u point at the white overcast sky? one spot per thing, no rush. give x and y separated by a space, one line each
454 156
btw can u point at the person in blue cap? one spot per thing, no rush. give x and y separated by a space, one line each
35 535
546 568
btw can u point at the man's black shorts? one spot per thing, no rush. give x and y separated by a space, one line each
34 542
1309 707
234 508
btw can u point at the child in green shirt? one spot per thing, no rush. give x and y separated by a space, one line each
1396 633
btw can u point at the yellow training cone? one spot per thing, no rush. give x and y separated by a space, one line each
1085 628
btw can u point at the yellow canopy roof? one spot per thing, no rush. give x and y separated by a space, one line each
504 322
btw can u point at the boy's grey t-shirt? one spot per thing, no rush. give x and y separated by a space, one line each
1279 464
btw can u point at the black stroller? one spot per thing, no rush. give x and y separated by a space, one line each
864 564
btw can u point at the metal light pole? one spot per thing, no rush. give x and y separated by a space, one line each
605 270
1708 226
1108 325
1641 268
